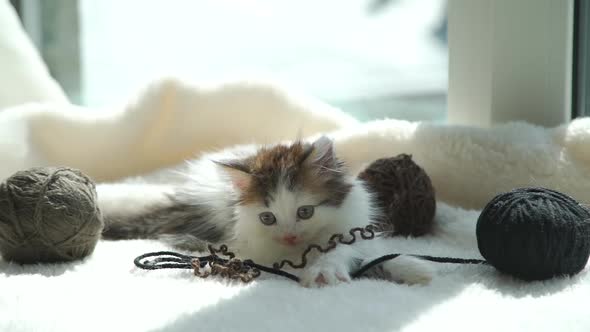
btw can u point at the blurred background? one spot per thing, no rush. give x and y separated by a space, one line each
371 58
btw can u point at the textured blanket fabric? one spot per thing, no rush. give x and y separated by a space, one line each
172 120
106 293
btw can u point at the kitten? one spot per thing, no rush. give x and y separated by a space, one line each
266 204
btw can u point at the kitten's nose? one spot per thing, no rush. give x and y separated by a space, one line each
290 239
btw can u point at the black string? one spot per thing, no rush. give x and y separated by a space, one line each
177 261
174 260
372 263
436 259
451 260
272 270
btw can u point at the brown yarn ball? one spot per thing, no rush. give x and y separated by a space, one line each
48 215
404 193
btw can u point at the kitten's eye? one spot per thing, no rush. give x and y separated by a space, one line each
305 212
267 218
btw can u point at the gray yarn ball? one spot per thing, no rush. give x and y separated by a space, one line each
48 215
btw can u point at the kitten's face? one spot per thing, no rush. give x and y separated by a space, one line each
288 194
291 218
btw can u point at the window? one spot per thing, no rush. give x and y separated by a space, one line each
581 69
510 61
53 27
372 58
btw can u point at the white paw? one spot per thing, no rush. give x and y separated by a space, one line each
403 269
324 274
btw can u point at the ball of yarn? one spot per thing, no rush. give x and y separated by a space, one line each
48 215
404 194
534 234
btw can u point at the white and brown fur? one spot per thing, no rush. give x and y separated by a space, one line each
218 199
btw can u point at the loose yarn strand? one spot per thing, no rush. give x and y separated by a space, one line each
366 233
247 270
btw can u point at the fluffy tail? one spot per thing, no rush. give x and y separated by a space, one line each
138 212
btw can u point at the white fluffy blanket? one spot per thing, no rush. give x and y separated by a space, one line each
172 120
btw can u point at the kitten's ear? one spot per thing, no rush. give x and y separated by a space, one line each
238 172
322 153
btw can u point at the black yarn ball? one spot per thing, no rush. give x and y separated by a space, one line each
534 234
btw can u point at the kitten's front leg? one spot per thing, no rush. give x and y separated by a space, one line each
331 268
335 266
